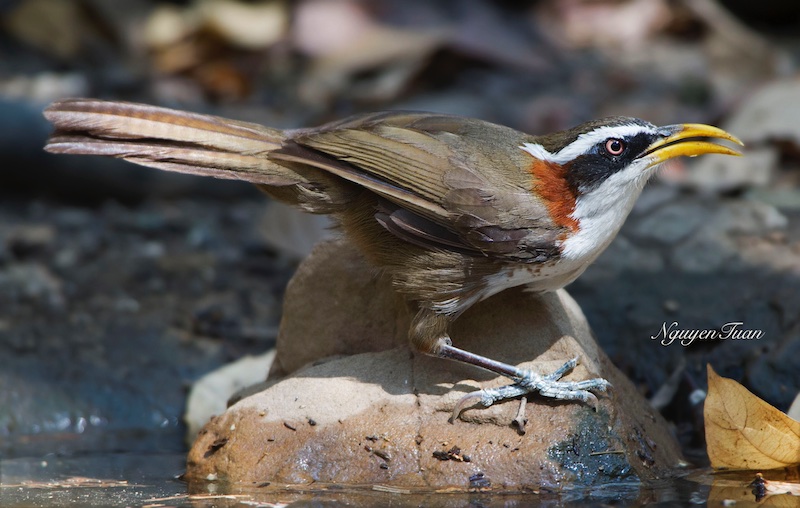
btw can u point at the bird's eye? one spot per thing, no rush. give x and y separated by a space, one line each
615 146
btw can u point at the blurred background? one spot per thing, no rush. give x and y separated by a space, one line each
121 286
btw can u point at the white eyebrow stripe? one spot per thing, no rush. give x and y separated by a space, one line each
537 151
585 142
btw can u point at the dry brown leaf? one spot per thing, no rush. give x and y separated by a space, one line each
604 24
744 432
779 490
246 25
774 488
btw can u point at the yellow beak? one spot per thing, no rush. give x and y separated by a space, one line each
682 139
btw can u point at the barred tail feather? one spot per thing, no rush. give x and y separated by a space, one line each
169 139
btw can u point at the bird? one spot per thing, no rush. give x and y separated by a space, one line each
453 209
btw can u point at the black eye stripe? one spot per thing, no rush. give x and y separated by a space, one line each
589 170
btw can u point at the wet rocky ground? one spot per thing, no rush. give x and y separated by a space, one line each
111 312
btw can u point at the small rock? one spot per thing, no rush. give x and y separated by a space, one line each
769 114
622 255
783 198
653 196
127 304
66 258
756 169
209 395
671 223
32 281
73 218
671 306
27 240
746 217
152 250
711 247
291 231
705 252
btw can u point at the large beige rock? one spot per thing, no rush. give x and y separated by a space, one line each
337 305
382 416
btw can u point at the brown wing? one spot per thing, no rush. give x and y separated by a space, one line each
452 182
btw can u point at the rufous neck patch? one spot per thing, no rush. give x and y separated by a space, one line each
550 184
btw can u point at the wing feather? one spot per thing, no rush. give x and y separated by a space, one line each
458 183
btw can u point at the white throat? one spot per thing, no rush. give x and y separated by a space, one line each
601 213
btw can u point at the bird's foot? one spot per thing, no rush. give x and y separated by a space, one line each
527 381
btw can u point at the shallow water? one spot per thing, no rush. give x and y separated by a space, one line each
91 480
141 479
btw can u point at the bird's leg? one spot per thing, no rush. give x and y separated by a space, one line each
525 381
430 334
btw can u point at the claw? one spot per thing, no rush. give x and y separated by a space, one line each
467 401
591 399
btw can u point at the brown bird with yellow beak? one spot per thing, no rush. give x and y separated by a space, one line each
453 209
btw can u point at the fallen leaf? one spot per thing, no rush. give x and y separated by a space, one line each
604 24
168 25
355 55
247 25
774 487
778 489
744 432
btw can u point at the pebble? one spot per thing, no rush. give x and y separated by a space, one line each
705 252
152 250
623 255
671 223
66 258
716 174
28 239
654 196
127 304
747 217
671 306
31 281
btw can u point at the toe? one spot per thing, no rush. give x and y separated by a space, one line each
467 401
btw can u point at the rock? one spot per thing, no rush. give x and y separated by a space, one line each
705 252
381 416
291 231
712 246
655 195
23 240
756 169
769 114
208 395
671 223
31 281
620 256
747 216
340 282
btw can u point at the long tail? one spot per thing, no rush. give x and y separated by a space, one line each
169 139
